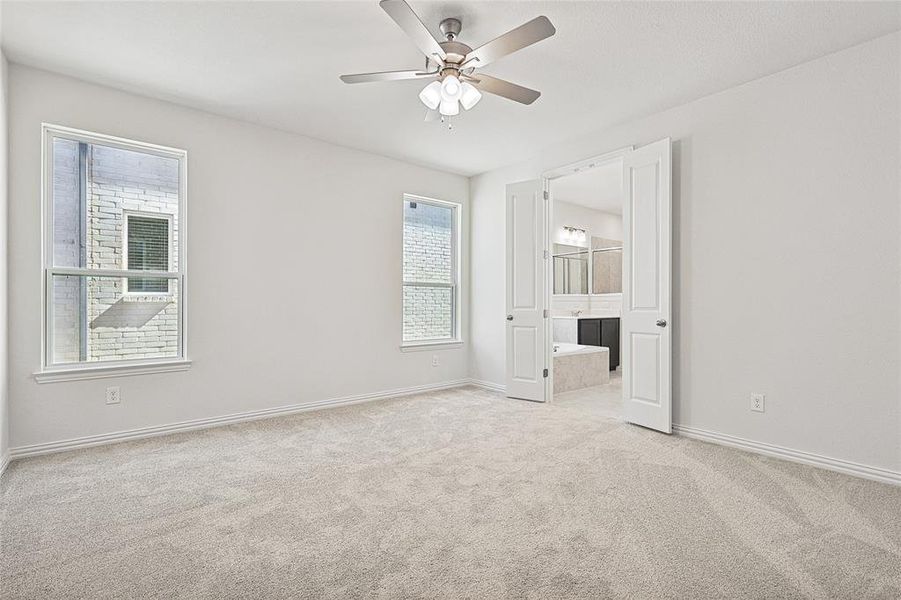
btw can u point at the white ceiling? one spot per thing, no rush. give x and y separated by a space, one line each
600 188
277 63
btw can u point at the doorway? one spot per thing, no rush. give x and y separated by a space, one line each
585 208
589 281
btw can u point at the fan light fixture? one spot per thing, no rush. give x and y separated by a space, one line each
449 107
431 95
450 88
449 94
454 68
471 95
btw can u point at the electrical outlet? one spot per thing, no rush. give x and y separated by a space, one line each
758 402
112 395
434 360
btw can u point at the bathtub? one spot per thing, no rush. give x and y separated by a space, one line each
564 348
577 366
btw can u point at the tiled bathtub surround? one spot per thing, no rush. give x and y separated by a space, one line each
577 367
566 330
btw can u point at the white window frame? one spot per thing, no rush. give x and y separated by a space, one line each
160 216
50 372
455 285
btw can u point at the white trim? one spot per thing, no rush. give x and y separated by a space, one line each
790 454
588 163
488 385
81 135
48 133
457 268
119 369
87 272
433 345
253 415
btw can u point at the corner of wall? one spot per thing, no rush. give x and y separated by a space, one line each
4 205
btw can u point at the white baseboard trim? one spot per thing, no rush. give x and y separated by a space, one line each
799 456
487 385
4 462
253 415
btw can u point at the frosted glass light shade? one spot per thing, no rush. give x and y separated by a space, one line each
449 108
431 95
451 88
470 96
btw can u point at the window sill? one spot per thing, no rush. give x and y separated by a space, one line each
421 346
119 370
147 297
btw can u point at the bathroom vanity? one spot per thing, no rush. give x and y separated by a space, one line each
601 332
590 330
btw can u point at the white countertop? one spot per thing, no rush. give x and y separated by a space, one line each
608 315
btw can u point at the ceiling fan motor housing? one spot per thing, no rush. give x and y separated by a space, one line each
450 28
456 51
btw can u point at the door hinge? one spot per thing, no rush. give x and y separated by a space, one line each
546 195
546 315
545 372
546 255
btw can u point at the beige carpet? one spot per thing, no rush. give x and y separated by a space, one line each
458 494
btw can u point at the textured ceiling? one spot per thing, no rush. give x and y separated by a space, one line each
278 63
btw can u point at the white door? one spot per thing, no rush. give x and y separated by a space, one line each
646 318
526 351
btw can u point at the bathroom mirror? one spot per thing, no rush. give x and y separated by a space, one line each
570 269
606 266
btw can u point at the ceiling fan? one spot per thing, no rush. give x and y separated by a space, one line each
452 64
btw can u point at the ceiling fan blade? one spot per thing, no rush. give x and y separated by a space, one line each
527 34
431 115
499 87
404 16
386 76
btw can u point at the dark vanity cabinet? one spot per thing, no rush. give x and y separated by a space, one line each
601 332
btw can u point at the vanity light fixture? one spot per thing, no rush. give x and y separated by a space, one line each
575 234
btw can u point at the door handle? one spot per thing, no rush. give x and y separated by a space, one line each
661 323
509 317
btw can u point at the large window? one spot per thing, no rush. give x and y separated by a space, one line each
113 252
431 266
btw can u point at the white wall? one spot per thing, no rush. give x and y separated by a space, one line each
272 319
596 222
4 203
786 254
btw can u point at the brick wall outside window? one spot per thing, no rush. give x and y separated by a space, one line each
118 325
429 255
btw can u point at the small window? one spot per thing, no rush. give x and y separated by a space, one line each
114 250
146 249
431 290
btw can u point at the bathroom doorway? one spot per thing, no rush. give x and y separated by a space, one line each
608 286
643 330
585 236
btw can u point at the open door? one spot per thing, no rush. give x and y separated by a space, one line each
526 330
646 314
